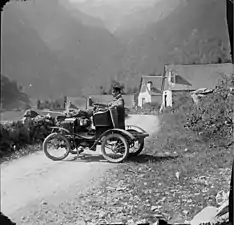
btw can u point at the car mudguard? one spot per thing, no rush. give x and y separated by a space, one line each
139 129
60 129
121 131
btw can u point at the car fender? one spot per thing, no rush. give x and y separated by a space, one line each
133 127
61 129
121 131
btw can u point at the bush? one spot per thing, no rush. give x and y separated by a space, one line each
148 108
212 118
182 104
16 135
151 107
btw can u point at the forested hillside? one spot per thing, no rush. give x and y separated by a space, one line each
60 49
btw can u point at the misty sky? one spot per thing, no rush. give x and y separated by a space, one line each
118 2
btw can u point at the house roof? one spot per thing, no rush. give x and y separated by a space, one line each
192 77
128 99
156 81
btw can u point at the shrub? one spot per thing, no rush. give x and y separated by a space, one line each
152 107
16 135
182 104
148 108
212 118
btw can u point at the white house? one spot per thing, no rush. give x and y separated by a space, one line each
150 90
188 78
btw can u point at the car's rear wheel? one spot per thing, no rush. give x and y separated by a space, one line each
137 146
115 148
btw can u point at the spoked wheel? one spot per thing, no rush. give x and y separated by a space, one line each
137 146
56 146
73 150
115 148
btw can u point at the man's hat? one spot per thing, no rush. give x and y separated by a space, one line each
116 87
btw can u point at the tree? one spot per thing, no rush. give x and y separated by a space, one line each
10 92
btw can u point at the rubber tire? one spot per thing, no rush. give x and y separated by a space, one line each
73 152
123 139
140 149
51 136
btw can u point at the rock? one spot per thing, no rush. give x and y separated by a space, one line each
101 214
5 220
143 221
80 222
222 212
130 222
44 203
30 113
121 188
161 222
177 175
161 200
177 218
23 218
221 197
204 216
154 208
199 93
185 212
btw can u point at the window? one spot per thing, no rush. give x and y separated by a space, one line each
173 78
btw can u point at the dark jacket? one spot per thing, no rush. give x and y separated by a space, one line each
119 103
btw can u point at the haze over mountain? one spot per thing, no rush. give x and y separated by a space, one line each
191 33
43 36
115 14
74 48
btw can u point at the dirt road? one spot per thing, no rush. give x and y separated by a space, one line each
33 180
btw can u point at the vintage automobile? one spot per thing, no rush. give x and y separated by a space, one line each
72 134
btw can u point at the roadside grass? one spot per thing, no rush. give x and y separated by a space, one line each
14 116
11 115
23 151
147 185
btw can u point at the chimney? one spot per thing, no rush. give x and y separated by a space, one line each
149 85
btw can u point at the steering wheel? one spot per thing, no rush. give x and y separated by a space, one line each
98 106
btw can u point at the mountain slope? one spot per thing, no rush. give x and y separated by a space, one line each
89 51
140 18
27 59
11 94
192 33
86 20
113 12
57 47
81 52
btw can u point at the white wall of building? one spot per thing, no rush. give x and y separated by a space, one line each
143 97
167 98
